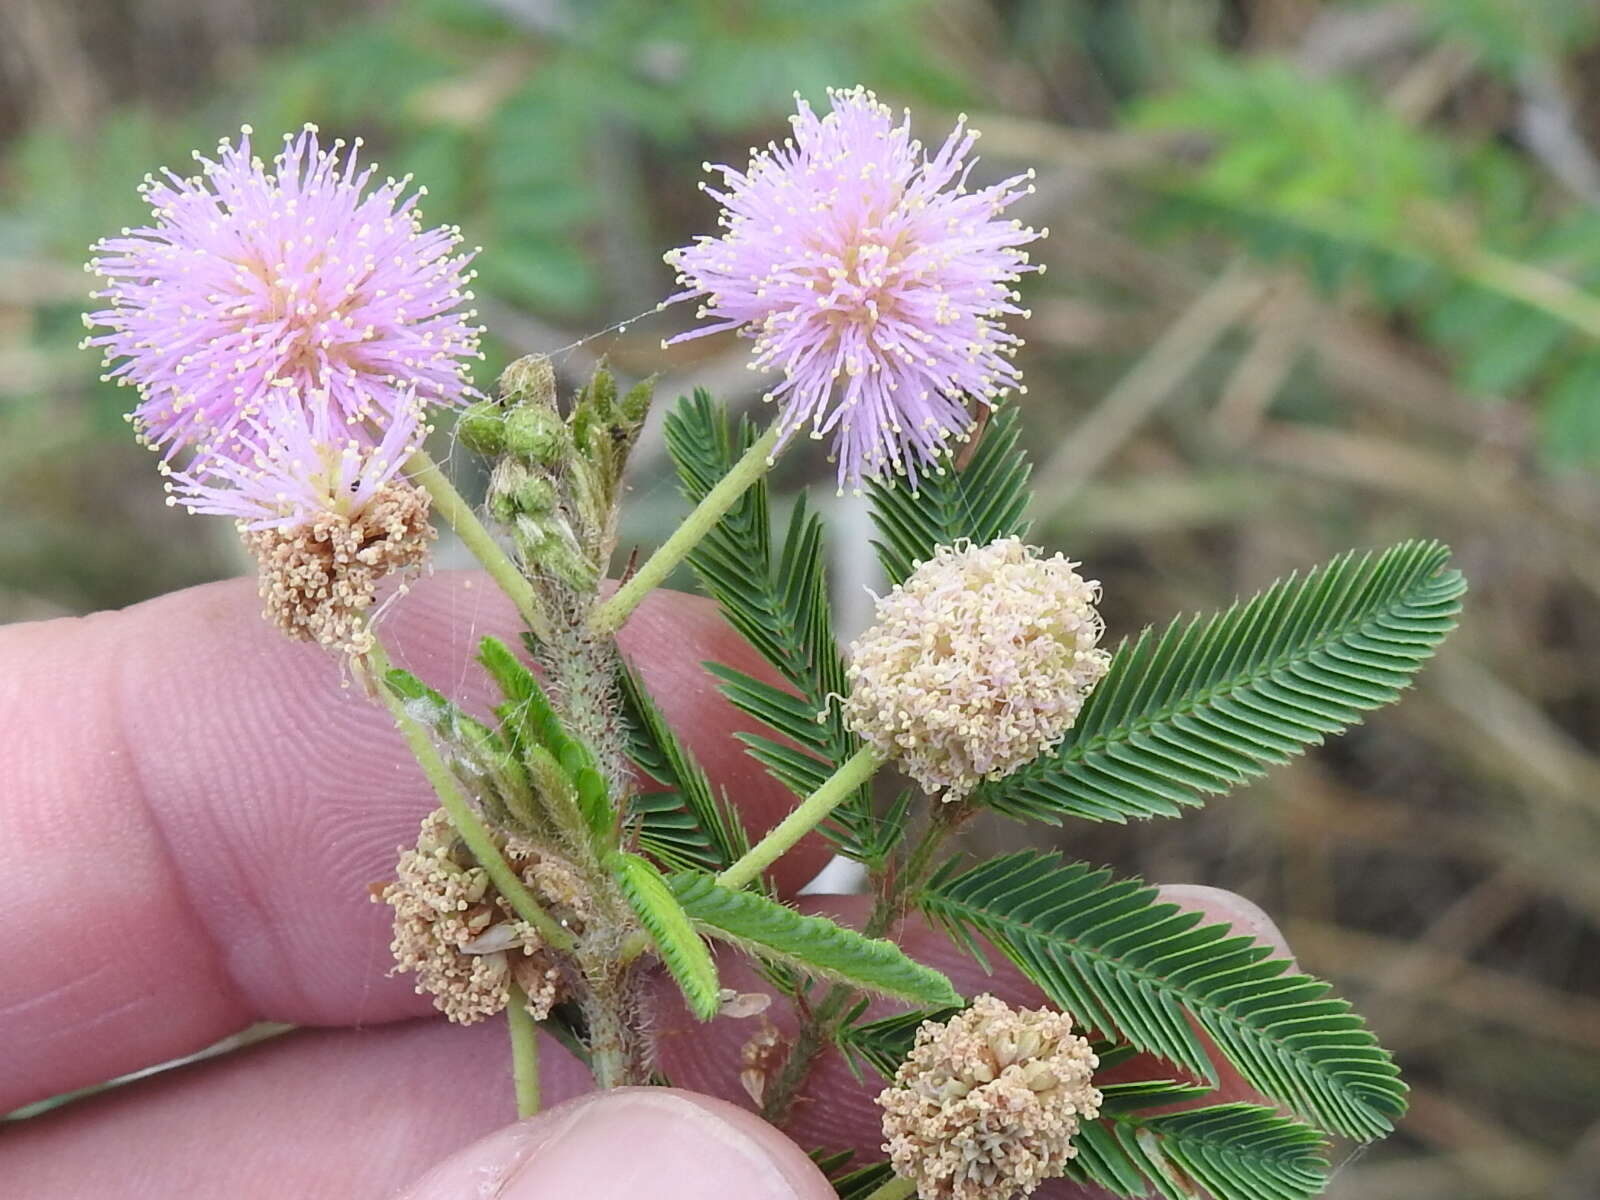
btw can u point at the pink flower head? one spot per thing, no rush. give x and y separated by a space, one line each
869 275
291 282
298 462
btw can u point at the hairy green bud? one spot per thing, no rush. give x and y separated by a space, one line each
482 428
536 433
529 381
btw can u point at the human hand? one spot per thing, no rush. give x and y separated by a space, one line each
193 808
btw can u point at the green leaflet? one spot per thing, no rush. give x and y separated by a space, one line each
1129 966
1212 701
861 1182
1232 1151
985 500
883 1044
813 944
780 607
689 827
685 955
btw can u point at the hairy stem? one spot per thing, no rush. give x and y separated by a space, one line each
813 810
453 800
458 514
524 1052
608 616
816 1031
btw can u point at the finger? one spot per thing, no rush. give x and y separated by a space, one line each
280 1119
835 1111
194 806
318 1114
658 1142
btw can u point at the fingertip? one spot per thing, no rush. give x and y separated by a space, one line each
1230 908
660 1142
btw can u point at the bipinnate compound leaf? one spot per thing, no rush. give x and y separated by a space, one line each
980 501
1135 969
1210 702
689 826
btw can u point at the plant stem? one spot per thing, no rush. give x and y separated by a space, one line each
813 810
458 514
817 1030
453 800
896 1189
524 1052
607 617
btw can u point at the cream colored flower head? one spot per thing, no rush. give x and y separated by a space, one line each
986 1106
978 663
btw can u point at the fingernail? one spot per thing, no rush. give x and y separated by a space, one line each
1231 908
655 1142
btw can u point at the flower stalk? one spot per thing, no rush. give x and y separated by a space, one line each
524 1052
608 616
813 810
452 506
455 804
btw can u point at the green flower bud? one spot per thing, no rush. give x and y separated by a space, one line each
482 428
636 404
529 381
536 433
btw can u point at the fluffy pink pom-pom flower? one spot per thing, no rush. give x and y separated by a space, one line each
252 283
869 275
296 462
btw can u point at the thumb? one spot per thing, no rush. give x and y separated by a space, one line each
658 1142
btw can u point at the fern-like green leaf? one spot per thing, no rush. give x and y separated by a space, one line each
682 951
1210 702
689 826
883 1044
1131 967
780 607
815 945
981 501
1228 1151
1325 172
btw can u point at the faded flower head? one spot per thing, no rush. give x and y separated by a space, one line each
326 513
252 283
977 663
987 1104
870 277
462 940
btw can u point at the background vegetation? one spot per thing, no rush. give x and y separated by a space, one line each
1321 275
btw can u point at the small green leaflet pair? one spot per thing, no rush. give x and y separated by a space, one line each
1189 710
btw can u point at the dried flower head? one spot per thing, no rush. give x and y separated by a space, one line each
977 663
869 275
986 1105
252 282
326 514
462 940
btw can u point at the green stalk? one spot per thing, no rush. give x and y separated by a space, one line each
456 806
607 617
524 1052
813 810
458 514
896 1189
